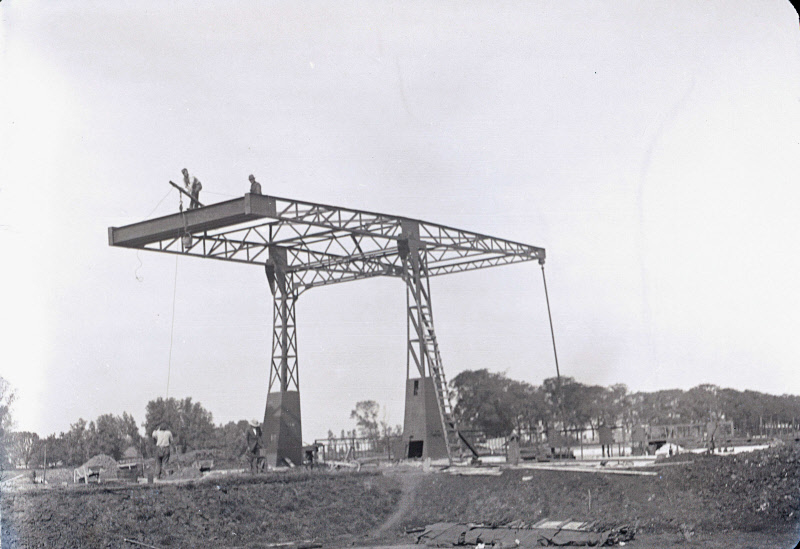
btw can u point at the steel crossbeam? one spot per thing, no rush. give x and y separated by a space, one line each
324 244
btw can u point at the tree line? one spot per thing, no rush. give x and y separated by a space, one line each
495 404
191 424
490 402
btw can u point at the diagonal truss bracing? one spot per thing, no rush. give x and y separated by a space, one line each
302 245
324 244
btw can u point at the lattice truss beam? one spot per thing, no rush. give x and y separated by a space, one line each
283 367
323 244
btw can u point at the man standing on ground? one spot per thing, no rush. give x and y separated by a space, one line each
255 186
163 438
512 448
253 444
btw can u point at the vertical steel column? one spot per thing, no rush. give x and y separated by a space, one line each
282 422
284 372
428 417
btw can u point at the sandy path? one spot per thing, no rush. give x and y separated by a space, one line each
408 485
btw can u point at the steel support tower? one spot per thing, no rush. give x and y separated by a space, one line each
303 245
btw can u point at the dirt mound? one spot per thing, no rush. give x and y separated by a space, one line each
188 465
183 473
189 458
110 469
753 487
758 491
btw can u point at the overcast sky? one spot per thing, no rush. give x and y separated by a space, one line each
652 148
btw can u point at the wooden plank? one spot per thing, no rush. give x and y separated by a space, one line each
580 469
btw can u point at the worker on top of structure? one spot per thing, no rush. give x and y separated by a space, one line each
253 445
195 192
193 188
186 181
163 437
255 186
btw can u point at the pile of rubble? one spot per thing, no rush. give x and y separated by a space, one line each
758 486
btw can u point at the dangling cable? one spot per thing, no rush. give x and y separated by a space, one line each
172 328
136 271
549 316
555 354
159 204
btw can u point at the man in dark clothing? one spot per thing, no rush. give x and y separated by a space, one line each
196 188
255 186
253 445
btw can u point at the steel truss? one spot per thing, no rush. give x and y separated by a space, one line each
283 370
323 244
423 348
303 245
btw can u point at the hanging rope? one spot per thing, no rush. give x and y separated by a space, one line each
555 354
549 316
136 271
172 328
159 204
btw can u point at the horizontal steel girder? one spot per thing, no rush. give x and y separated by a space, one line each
324 244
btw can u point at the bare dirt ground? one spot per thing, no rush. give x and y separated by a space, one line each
744 500
748 500
392 527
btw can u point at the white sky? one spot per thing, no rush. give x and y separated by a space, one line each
652 149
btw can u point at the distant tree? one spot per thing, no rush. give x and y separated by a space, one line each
7 397
478 401
553 397
160 411
23 447
595 406
112 435
78 442
620 404
366 416
230 438
58 451
495 404
566 403
390 431
659 407
700 403
525 406
198 425
191 425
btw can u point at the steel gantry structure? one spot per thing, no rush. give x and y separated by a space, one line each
303 245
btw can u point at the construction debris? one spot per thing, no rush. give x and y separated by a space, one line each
139 543
472 471
543 533
302 544
590 469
